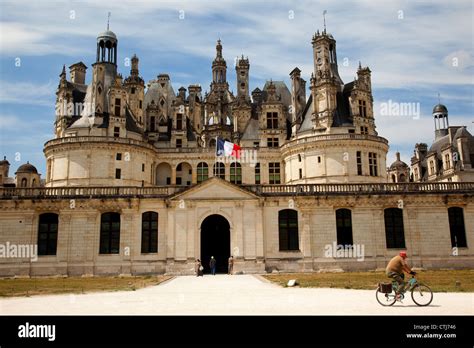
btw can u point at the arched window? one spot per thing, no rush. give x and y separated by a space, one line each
402 178
344 227
47 234
456 227
212 142
288 229
236 173
394 179
24 182
219 170
394 231
110 233
202 172
33 183
149 232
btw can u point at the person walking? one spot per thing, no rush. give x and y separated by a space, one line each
199 269
212 264
231 265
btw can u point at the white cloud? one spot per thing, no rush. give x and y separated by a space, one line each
28 93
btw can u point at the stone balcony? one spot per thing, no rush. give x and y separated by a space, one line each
8 193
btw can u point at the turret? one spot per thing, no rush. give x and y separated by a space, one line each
242 70
219 66
440 117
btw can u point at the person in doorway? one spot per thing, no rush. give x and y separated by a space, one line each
212 264
199 269
231 265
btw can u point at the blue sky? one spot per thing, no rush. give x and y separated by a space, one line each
415 49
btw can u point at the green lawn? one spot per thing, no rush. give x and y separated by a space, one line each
437 280
41 286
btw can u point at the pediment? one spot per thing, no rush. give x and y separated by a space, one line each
215 188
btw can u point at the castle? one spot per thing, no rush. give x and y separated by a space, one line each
133 184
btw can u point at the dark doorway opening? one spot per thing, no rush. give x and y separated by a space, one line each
215 241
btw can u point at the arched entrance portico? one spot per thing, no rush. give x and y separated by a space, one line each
215 241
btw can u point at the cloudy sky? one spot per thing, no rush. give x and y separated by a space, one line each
415 49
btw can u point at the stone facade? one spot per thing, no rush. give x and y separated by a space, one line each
253 216
133 184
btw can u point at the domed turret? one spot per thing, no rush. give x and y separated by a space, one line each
440 117
398 170
27 176
107 47
27 168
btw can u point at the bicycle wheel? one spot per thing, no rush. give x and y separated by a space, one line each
385 299
422 295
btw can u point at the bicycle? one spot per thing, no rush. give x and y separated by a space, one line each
421 293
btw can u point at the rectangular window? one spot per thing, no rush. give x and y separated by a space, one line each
110 233
456 227
394 230
133 90
118 157
359 162
117 106
447 161
288 230
179 121
178 181
301 173
140 104
274 173
272 120
319 159
179 143
47 234
202 172
362 108
149 232
272 142
373 164
152 123
118 173
432 168
143 167
116 132
344 227
236 173
257 174
256 144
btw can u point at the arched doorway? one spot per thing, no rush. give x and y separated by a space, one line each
215 241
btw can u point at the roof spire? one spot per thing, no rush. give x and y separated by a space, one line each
439 98
108 20
324 19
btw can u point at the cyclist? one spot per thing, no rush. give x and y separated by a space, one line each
395 269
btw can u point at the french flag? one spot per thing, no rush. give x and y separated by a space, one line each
226 148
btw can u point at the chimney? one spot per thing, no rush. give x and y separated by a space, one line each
78 73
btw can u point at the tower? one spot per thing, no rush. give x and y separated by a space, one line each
298 98
104 72
219 67
135 87
440 117
242 70
325 82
